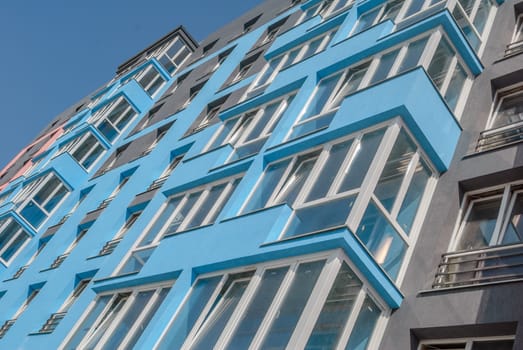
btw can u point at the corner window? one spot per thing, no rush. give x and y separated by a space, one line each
171 54
85 149
118 318
323 187
113 118
266 308
38 199
149 79
185 211
248 132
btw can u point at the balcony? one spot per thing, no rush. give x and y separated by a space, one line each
5 327
479 267
500 137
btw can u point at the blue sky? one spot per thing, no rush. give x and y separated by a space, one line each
54 52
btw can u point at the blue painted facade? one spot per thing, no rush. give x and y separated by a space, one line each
407 103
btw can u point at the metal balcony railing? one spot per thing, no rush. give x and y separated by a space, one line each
480 266
507 135
52 322
58 261
19 272
5 327
514 48
109 246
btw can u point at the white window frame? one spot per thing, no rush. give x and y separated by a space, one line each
205 191
21 231
162 50
238 134
469 342
501 94
73 145
142 73
133 292
100 115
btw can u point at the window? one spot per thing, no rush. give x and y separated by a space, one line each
244 68
85 149
221 58
60 258
478 343
149 79
211 113
33 292
146 121
111 245
13 237
516 44
291 57
326 8
38 199
186 211
113 118
272 31
247 26
326 99
377 15
323 186
160 133
207 48
248 132
474 17
508 108
53 321
171 54
117 319
266 308
166 173
192 93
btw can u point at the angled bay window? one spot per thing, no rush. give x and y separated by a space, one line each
323 186
113 118
85 149
289 304
326 8
248 132
149 78
13 237
293 56
182 212
117 319
171 54
432 52
38 199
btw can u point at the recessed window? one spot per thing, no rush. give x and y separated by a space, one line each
244 68
192 93
265 307
207 48
118 318
516 44
247 26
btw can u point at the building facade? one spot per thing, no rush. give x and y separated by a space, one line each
336 174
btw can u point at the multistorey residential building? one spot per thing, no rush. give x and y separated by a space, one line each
336 174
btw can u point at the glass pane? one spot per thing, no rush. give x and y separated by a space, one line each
366 20
15 245
392 9
160 221
335 311
189 313
412 57
127 321
87 323
311 125
106 129
84 148
125 119
321 96
219 206
337 155
466 27
386 62
480 224
292 305
493 345
33 214
482 14
459 76
224 132
394 171
180 216
361 160
258 307
291 57
145 321
412 199
364 327
514 231
440 63
510 110
352 82
467 5
313 47
56 198
262 121
273 64
320 217
205 208
296 178
382 240
415 6
267 185
136 261
7 234
93 156
222 309
45 192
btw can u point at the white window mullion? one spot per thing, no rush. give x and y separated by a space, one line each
430 49
236 316
369 73
116 321
405 184
282 182
372 177
345 165
227 191
313 176
97 322
448 77
502 210
273 309
351 321
192 211
314 305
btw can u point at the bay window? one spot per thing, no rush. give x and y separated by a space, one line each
171 54
294 304
113 118
351 183
85 149
149 78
